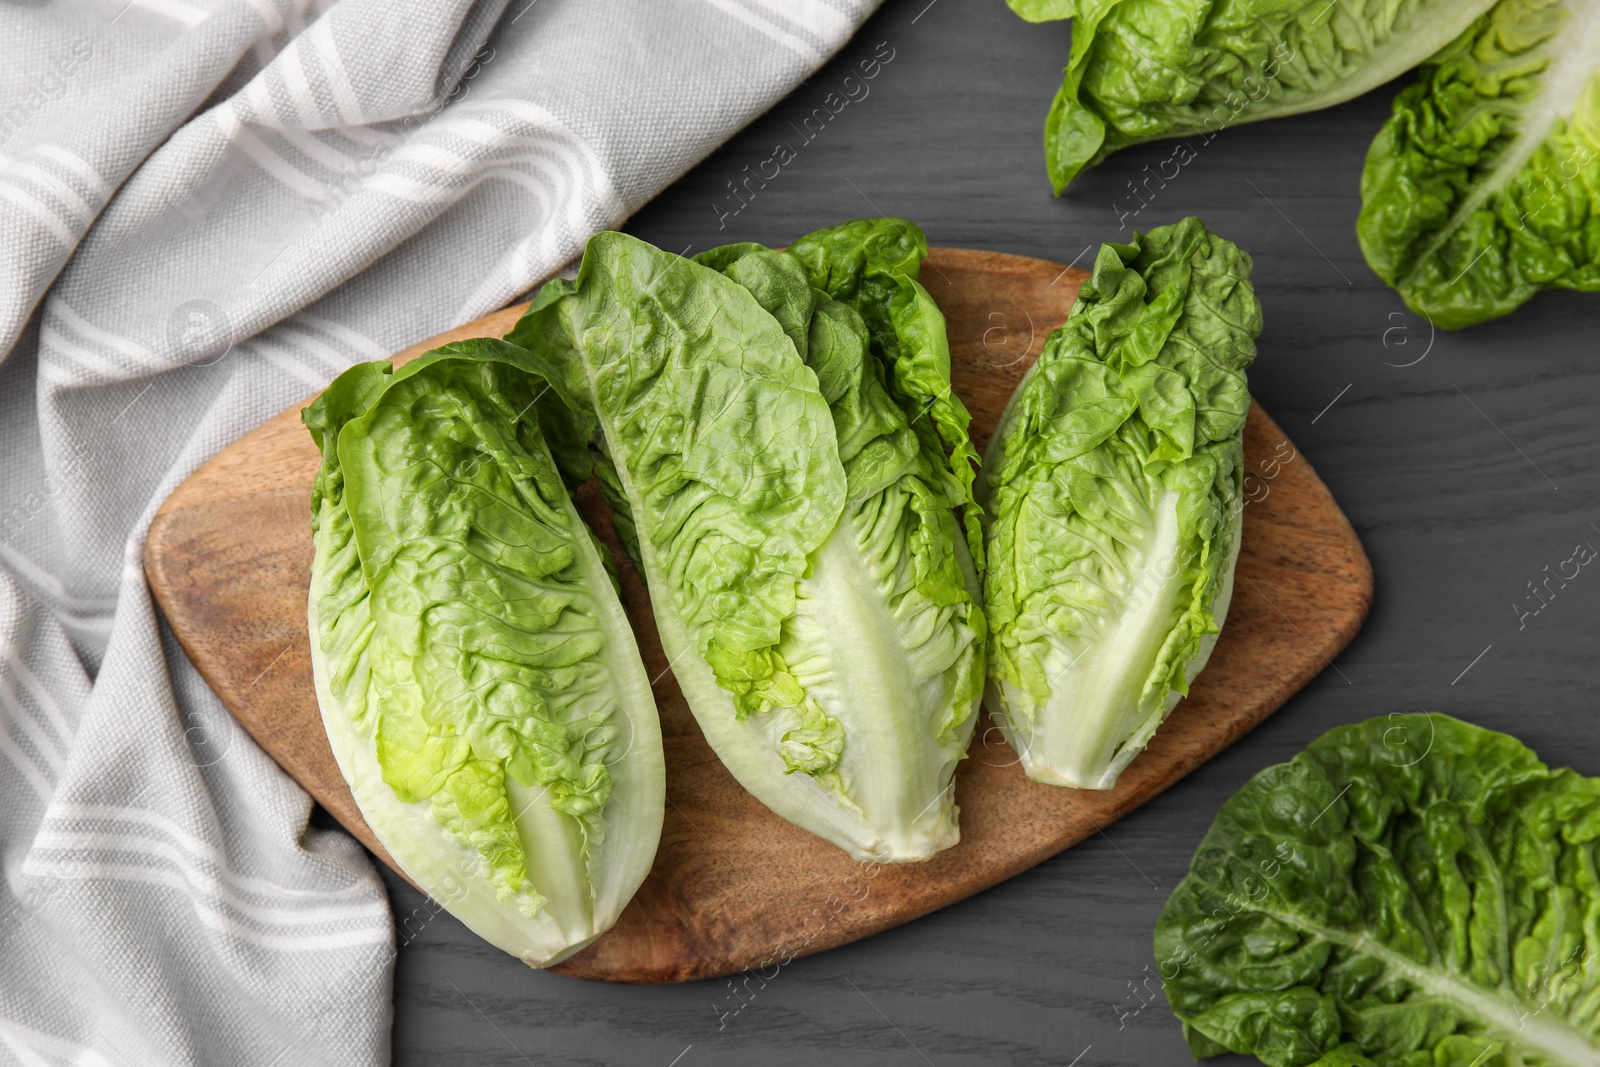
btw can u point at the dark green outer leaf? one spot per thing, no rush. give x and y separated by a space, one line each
1410 890
1482 188
1147 69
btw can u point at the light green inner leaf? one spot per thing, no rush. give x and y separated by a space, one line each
797 531
477 678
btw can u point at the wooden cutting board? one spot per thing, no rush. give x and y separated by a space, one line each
734 887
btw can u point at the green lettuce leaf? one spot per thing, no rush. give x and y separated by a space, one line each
1044 10
1411 890
725 454
872 266
480 686
800 548
1113 485
1147 69
887 637
1481 189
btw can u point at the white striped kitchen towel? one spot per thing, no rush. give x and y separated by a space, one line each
209 208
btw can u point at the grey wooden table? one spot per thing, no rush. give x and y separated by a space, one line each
1465 461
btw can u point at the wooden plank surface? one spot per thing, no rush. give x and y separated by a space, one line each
734 886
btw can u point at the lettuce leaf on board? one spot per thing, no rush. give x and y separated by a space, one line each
1411 890
872 266
1484 186
1112 495
724 450
479 683
1141 70
888 633
785 523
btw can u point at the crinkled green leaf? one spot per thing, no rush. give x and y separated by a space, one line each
1044 10
888 636
1147 69
804 562
1482 189
718 435
1411 890
480 686
1113 486
339 597
723 451
872 266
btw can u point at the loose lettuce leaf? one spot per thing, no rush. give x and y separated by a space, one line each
1409 890
887 636
1147 69
1481 190
1044 10
1113 485
478 680
872 265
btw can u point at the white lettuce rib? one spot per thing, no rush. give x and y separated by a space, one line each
870 669
1090 729
1522 1025
875 654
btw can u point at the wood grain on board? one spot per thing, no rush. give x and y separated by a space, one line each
734 886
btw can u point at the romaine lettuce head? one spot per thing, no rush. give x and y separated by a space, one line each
1407 890
1112 489
888 634
803 557
478 680
1147 69
1481 189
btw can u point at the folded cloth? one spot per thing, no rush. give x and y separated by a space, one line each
254 194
